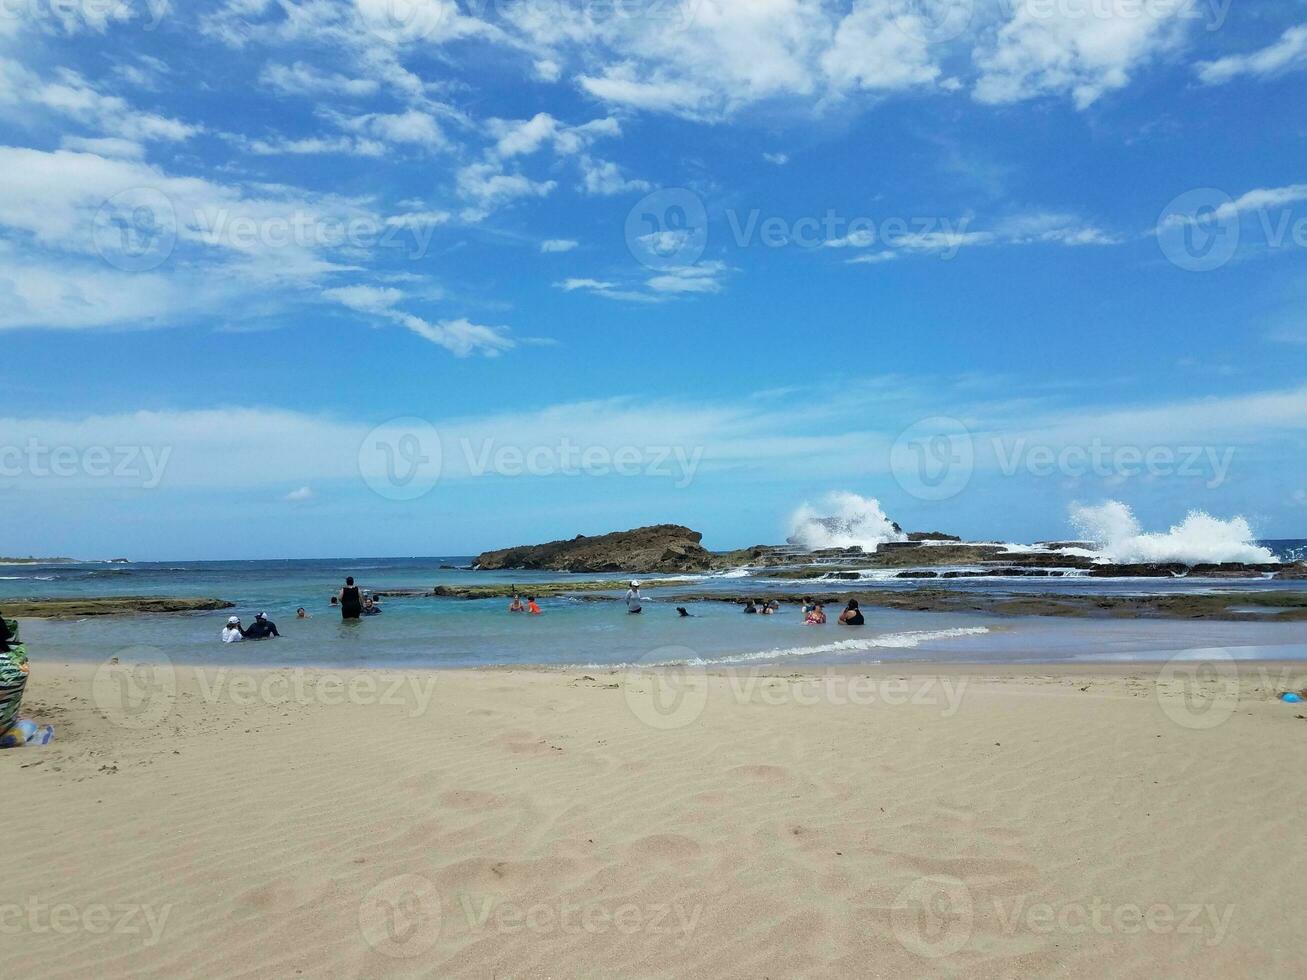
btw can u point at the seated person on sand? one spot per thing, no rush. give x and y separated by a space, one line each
262 628
816 615
852 615
516 604
13 680
232 632
370 607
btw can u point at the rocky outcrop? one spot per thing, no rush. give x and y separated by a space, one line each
125 605
660 548
675 548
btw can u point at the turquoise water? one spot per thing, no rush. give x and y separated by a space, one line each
426 631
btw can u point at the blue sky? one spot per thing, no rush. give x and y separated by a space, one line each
756 252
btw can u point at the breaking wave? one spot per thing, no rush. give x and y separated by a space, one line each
1199 538
843 520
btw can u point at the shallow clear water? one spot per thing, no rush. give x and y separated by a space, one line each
426 631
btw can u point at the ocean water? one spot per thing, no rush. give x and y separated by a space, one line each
432 632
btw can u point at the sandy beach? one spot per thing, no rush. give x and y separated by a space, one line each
1132 822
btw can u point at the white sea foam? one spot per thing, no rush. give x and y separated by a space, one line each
1198 538
843 520
897 641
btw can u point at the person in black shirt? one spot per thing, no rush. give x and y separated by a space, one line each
261 628
852 615
351 606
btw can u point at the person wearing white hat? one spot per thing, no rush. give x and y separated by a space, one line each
634 603
261 628
232 632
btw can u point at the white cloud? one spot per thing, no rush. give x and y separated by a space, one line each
413 127
487 187
222 244
779 159
558 245
299 496
1289 53
705 277
1082 50
548 70
593 285
312 145
303 79
801 433
418 219
460 336
70 95
519 137
880 46
605 178
1021 229
105 146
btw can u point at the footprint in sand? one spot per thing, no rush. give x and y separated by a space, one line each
664 848
471 799
769 774
282 895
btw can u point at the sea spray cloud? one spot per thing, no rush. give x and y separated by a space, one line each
843 520
1199 538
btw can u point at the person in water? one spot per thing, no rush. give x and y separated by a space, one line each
301 613
531 606
816 616
681 611
351 605
370 607
751 607
262 628
232 632
852 615
516 604
334 602
634 602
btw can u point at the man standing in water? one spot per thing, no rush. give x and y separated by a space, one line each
351 606
634 603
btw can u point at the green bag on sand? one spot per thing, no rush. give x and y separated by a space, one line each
13 678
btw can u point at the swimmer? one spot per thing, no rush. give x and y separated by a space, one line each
852 615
